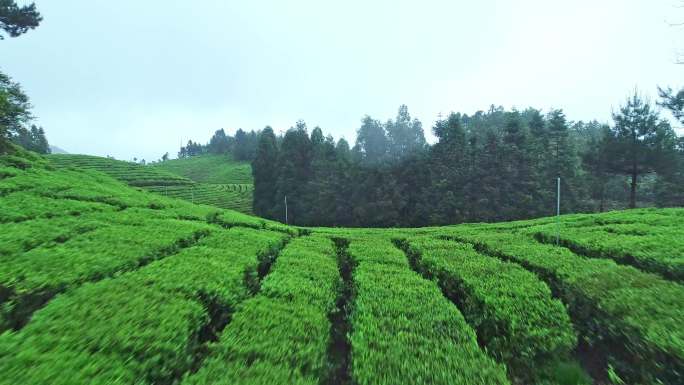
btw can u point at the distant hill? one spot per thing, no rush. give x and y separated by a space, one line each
57 150
234 196
215 169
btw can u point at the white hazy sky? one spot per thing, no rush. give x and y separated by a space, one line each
132 78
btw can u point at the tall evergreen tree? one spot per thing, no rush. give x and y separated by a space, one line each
447 170
294 172
241 149
219 143
564 162
406 136
371 141
632 144
265 173
518 179
595 162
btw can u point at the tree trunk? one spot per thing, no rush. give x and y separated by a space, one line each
633 187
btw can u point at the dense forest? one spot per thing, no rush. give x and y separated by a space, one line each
489 166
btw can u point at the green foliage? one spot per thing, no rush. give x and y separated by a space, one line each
404 330
512 312
16 20
131 173
656 250
14 107
635 143
155 315
32 139
282 334
104 283
212 169
632 316
491 166
169 178
263 169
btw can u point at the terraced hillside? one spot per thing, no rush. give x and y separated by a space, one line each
131 173
103 283
208 168
232 195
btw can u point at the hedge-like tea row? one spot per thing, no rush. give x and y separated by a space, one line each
233 197
281 335
29 279
511 310
635 316
404 331
209 168
143 327
20 206
131 173
657 250
17 238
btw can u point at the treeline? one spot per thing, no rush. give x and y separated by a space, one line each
489 166
15 109
15 117
242 146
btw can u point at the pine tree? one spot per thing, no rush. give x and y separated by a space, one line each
563 162
294 173
265 173
15 20
631 147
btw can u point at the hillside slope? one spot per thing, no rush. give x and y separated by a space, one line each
231 196
208 168
104 283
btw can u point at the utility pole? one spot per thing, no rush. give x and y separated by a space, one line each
558 212
286 222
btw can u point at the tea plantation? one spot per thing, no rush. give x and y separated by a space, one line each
209 180
104 283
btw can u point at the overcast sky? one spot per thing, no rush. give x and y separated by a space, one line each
133 78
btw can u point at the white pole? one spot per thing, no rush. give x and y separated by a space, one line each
286 222
558 212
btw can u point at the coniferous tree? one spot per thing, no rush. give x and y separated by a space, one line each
219 143
632 143
16 20
14 110
563 162
265 173
371 142
673 102
595 162
406 136
447 172
518 179
294 172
